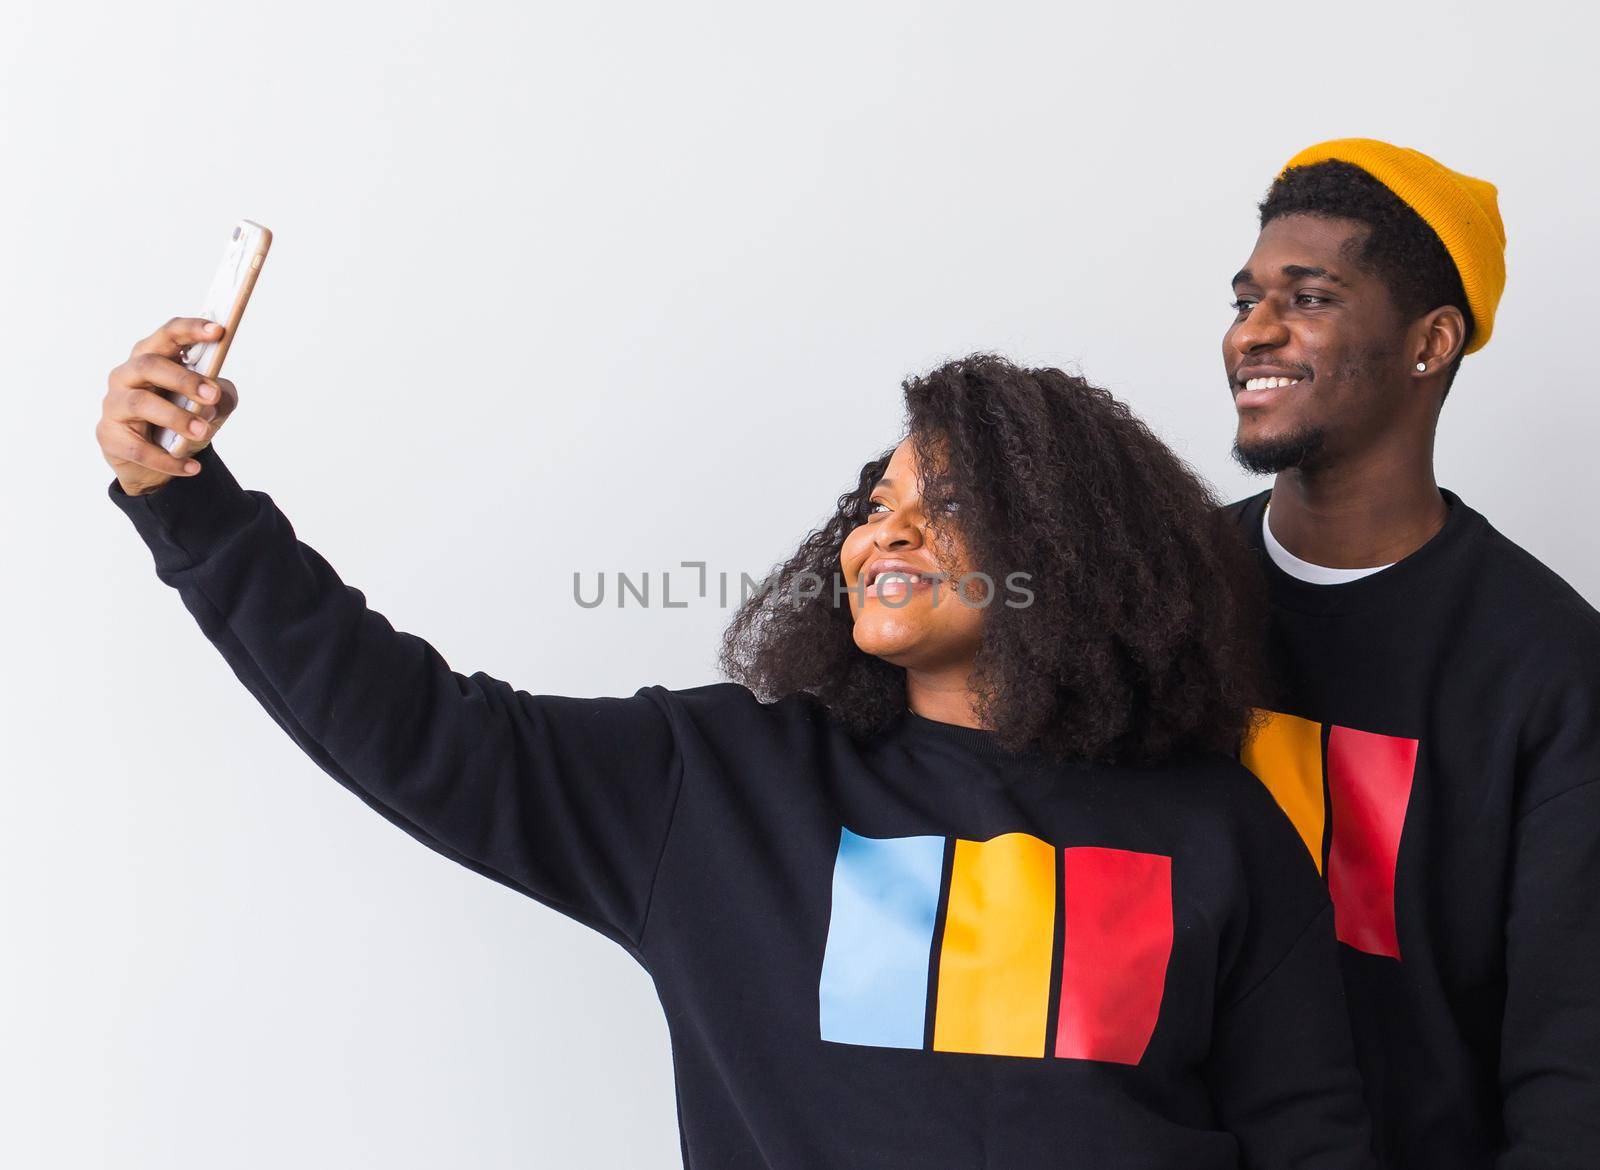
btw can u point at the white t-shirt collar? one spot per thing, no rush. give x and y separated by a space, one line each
1305 570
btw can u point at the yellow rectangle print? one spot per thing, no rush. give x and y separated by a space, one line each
994 960
1286 756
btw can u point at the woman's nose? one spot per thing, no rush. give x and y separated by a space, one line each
898 530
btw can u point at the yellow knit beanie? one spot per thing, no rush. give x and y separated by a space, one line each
1464 211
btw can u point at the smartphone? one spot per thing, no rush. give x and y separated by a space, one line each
230 293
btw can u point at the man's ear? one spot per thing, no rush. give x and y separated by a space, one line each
1436 340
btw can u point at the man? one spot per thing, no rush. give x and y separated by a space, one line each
1435 728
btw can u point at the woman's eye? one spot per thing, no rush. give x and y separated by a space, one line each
874 505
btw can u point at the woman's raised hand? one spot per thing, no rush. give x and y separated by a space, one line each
133 408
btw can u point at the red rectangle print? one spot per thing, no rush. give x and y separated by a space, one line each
1369 784
1116 943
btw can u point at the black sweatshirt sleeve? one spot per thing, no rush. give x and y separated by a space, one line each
1549 1067
1282 1065
567 800
1550 1046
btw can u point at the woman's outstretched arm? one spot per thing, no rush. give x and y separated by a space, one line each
567 800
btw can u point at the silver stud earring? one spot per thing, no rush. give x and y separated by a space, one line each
1422 367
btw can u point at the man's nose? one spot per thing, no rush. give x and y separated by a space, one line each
1264 328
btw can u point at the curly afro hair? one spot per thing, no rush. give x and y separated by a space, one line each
1140 642
1400 248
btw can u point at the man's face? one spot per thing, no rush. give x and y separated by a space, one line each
1315 356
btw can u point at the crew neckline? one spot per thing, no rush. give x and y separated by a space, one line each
1305 570
1398 583
978 740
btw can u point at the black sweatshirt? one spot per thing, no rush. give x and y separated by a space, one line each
1436 738
859 946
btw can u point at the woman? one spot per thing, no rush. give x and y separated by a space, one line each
965 876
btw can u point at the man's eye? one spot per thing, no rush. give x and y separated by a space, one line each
1303 298
1242 305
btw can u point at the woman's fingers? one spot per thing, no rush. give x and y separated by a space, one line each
151 369
176 335
142 404
122 443
136 401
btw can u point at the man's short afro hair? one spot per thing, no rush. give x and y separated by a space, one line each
1400 248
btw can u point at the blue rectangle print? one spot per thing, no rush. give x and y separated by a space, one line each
874 986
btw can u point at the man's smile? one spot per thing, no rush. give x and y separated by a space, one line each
1258 386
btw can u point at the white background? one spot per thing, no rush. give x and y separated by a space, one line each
596 287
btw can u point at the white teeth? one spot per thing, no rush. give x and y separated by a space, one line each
899 576
1270 383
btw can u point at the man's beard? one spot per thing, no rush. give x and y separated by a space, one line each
1299 450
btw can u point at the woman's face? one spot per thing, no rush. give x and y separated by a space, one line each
923 625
